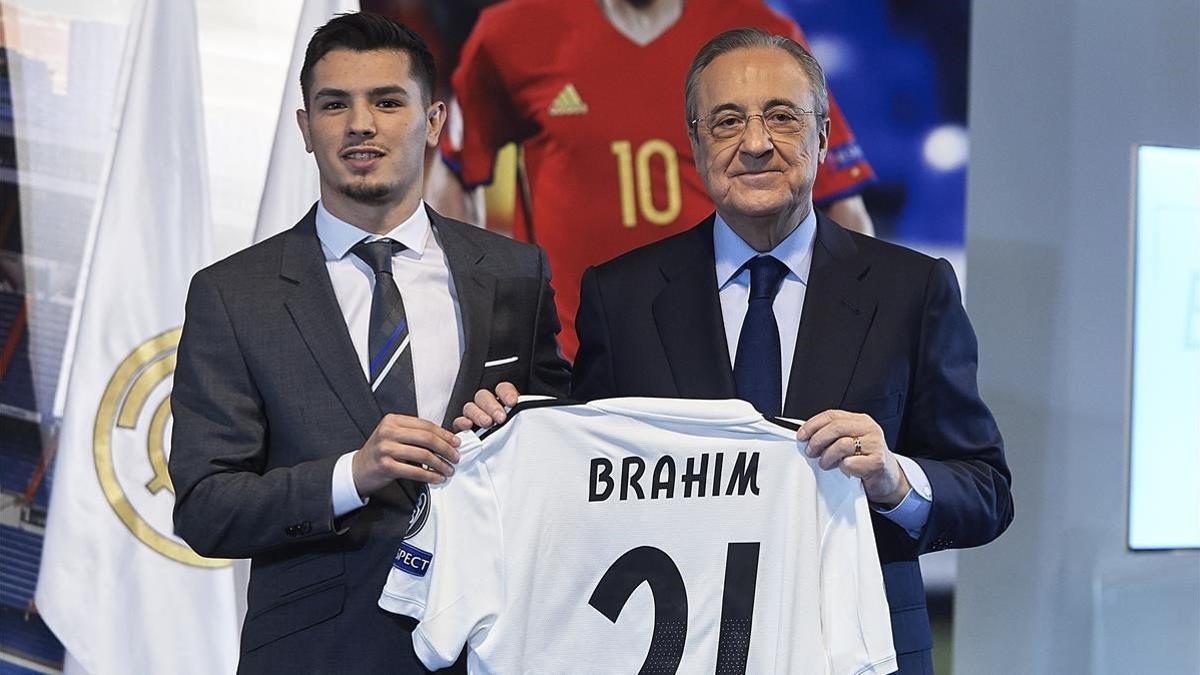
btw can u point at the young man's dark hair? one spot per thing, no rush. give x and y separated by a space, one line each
364 32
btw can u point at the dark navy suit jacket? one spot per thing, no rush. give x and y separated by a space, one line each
883 332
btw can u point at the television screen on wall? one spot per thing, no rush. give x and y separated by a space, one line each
1164 436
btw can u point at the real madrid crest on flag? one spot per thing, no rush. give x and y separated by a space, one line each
131 440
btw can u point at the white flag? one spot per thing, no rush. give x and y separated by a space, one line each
292 183
121 592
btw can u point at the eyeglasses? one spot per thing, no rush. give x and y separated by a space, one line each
781 120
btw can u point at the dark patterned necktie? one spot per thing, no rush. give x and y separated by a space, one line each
757 368
390 368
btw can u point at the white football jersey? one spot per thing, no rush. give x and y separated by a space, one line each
637 534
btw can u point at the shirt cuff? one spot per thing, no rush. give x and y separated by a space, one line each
345 495
913 511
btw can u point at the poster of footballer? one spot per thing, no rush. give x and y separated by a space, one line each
569 130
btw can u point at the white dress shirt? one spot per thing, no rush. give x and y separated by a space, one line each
430 306
733 287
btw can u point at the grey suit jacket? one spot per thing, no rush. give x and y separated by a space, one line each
269 393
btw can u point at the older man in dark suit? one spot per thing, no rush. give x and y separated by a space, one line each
769 301
316 368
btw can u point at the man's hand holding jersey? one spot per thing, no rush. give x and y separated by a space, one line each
854 443
404 447
488 408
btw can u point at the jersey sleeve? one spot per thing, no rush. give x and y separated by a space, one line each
489 117
854 608
845 171
447 573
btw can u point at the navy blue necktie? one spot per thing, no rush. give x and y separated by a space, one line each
757 368
390 368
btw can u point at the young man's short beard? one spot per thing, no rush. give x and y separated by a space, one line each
369 193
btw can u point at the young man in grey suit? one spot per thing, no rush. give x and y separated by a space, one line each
771 302
317 368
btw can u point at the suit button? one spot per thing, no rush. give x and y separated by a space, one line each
290 530
305 527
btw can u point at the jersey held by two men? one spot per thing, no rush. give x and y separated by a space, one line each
652 535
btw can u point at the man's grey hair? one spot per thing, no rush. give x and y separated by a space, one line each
750 38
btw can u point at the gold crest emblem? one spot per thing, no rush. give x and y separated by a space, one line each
130 446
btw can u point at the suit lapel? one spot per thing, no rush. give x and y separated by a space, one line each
476 292
315 310
834 322
687 313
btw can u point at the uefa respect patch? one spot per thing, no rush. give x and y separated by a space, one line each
412 560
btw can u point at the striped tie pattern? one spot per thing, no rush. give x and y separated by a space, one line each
390 368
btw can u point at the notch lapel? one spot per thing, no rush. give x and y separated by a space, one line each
476 292
318 317
687 313
833 324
